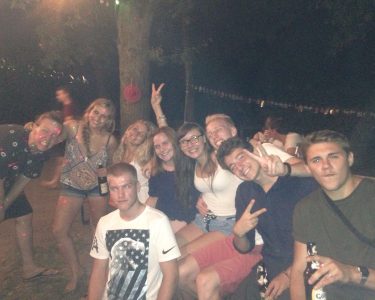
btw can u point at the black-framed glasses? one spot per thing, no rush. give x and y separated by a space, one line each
193 140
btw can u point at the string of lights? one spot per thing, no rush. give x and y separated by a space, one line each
33 71
331 110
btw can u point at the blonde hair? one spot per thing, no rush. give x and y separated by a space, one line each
105 103
144 150
223 117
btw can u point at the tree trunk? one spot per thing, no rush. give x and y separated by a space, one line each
134 24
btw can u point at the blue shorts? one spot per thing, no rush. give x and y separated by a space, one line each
67 190
223 224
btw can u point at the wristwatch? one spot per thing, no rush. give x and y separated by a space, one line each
364 274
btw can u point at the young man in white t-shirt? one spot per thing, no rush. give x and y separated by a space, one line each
135 252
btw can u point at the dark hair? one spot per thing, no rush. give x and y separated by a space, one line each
325 136
64 88
275 122
228 146
122 168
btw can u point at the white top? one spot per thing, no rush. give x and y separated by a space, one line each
219 193
271 149
292 140
143 181
134 249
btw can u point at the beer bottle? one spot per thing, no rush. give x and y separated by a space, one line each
102 180
311 293
262 278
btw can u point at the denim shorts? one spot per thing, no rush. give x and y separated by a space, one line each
67 190
223 224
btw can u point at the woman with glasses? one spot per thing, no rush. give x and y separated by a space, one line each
168 187
135 149
218 189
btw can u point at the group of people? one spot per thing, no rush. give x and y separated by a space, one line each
195 211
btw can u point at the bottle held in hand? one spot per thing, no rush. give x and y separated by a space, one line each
102 180
262 278
311 268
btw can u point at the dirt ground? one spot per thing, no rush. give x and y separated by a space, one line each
12 286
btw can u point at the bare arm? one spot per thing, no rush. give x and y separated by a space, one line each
299 168
98 279
332 271
15 190
170 279
297 285
156 105
151 201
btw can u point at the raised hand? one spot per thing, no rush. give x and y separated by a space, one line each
156 94
248 220
271 164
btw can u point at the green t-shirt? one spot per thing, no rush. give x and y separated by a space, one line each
315 221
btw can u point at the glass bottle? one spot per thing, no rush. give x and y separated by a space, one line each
311 268
102 180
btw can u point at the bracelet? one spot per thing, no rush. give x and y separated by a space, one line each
162 117
288 169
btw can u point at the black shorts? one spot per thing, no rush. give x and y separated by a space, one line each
20 207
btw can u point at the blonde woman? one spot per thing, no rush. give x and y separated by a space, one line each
136 149
90 143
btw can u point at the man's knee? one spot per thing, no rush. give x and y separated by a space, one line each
187 270
208 282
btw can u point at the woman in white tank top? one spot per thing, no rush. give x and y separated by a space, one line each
218 190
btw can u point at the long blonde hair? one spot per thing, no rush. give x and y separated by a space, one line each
109 125
144 150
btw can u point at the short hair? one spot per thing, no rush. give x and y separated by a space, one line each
122 168
325 136
223 117
228 146
64 88
54 115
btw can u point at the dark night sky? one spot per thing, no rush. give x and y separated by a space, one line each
284 51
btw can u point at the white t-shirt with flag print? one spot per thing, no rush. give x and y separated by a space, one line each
134 249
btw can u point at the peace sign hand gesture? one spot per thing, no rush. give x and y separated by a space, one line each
271 164
248 220
156 95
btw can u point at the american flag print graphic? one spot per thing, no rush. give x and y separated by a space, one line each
129 249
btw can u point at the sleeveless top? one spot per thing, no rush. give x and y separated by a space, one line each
220 199
79 170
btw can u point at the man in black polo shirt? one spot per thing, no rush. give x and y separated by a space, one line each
21 159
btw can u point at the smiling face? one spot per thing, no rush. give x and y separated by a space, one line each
163 147
136 134
330 166
98 117
241 164
44 134
192 144
123 192
218 130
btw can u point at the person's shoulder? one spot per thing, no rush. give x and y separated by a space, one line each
311 200
154 214
114 215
